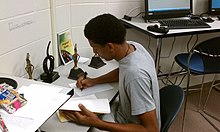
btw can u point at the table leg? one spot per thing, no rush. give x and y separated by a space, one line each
158 52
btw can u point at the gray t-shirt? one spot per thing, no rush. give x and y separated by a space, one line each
138 86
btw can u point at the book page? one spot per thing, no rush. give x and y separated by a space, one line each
94 105
59 113
91 90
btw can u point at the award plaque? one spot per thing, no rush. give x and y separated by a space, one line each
49 75
75 72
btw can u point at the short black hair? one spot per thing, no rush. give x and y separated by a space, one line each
104 29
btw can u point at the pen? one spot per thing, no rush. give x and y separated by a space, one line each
84 77
3 126
85 74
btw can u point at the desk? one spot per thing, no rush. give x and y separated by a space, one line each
140 25
53 124
41 114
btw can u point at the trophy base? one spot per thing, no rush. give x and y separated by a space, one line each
49 78
96 62
75 73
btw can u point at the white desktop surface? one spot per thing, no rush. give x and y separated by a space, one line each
40 116
140 24
53 124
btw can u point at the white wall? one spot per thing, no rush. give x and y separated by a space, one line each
79 12
26 28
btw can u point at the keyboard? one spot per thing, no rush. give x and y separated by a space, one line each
184 23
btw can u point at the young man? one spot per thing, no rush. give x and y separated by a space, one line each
138 107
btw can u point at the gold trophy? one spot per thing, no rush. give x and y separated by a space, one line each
75 72
29 67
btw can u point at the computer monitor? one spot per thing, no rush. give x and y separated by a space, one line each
162 9
214 7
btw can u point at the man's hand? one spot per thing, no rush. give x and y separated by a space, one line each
84 116
83 83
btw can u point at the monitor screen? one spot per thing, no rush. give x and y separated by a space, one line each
214 7
162 9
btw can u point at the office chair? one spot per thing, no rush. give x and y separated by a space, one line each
171 100
204 58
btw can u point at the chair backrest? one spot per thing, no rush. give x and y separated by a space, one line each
171 100
209 52
210 47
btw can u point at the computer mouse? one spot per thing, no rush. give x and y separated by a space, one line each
207 19
156 28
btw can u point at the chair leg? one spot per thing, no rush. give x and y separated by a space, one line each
186 99
203 109
201 92
169 73
217 87
216 128
207 97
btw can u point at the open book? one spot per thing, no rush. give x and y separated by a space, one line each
100 106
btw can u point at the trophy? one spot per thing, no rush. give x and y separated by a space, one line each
96 62
29 67
75 72
49 75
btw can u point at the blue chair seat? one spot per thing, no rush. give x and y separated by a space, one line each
199 64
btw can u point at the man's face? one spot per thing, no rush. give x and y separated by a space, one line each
103 51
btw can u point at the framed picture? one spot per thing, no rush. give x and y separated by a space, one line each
65 47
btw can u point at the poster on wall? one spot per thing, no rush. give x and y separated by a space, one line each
65 46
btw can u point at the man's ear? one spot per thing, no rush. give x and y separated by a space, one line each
111 46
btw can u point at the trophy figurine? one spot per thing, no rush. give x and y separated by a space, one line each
49 75
75 72
96 62
29 67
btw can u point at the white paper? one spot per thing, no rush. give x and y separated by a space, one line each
91 90
16 121
92 96
38 97
94 105
83 60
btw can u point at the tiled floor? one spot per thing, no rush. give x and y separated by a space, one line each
194 121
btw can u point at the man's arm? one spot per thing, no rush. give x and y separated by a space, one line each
148 121
112 76
148 124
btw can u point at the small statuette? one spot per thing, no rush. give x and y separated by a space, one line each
29 67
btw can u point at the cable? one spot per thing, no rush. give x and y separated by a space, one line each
174 39
181 80
151 52
133 10
188 43
204 13
137 15
197 38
